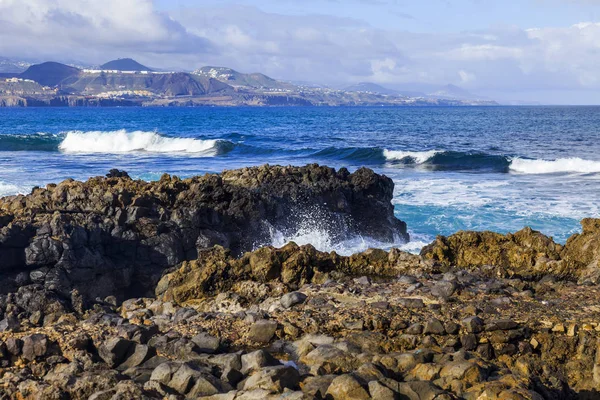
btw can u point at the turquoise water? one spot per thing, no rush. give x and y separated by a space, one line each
497 168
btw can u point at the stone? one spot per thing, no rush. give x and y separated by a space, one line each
379 391
501 324
346 387
328 359
434 327
469 342
443 289
9 324
34 346
316 386
206 343
262 331
411 303
473 324
257 360
115 350
273 379
291 299
419 390
415 329
141 353
164 372
14 346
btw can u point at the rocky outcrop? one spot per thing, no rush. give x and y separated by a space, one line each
216 271
112 236
582 251
527 253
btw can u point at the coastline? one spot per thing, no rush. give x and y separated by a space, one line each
508 316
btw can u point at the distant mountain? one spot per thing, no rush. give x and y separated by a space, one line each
12 66
454 92
238 79
368 87
124 64
50 73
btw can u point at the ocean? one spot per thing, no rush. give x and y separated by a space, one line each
454 168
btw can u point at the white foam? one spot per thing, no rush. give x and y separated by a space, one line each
323 241
122 141
8 189
419 157
561 165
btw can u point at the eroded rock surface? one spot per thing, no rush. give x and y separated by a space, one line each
115 236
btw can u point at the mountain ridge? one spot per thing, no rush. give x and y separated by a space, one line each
127 82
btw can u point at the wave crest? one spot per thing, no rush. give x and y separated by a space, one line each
450 160
122 141
561 165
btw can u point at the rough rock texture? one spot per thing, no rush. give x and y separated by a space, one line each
491 338
582 251
217 271
114 236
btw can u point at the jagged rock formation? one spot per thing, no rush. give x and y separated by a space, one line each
116 236
216 271
526 253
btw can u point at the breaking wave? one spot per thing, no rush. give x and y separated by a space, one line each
477 161
561 165
122 141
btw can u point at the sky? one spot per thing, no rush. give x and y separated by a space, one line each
544 51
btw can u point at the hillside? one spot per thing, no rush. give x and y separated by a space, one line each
8 66
124 64
455 93
369 87
172 84
238 79
51 73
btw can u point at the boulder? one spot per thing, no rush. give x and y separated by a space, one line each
34 346
262 331
291 299
346 387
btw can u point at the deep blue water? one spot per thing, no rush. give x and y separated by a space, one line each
497 168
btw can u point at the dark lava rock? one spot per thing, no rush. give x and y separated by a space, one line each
114 236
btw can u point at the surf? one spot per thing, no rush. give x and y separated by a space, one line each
122 141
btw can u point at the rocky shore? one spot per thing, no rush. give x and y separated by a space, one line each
122 289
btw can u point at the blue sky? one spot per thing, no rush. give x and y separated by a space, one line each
544 51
